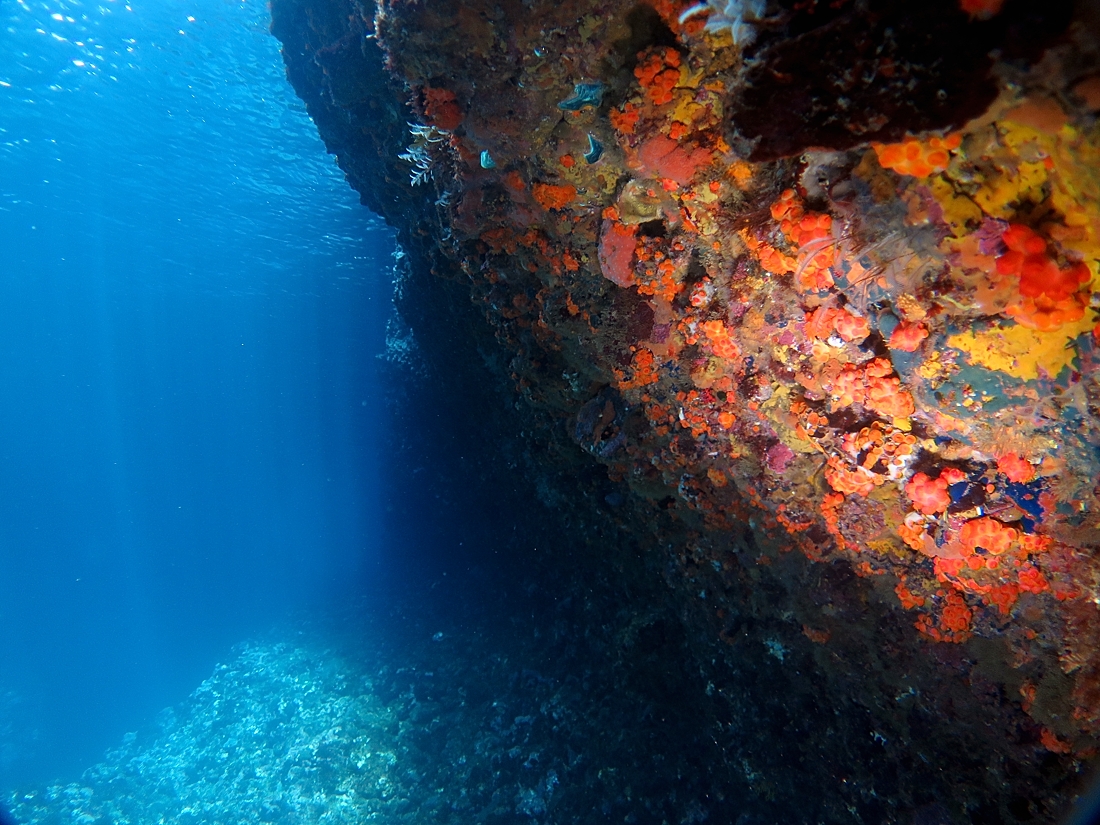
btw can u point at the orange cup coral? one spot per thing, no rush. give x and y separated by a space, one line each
915 158
929 495
719 339
989 534
1015 468
658 74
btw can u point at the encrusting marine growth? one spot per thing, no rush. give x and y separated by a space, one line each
830 272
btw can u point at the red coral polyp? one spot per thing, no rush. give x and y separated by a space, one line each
1046 314
981 9
1015 468
1023 240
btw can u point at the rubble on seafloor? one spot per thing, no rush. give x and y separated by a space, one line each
829 269
441 729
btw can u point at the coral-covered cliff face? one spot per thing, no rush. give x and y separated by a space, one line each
799 300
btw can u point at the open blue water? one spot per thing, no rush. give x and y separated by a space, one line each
191 299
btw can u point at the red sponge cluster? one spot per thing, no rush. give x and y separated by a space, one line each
1049 296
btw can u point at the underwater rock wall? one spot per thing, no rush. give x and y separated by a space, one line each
798 304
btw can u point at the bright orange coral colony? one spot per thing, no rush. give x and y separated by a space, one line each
983 563
718 337
810 233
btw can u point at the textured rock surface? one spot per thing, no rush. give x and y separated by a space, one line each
842 399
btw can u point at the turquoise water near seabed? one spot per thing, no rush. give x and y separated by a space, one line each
191 299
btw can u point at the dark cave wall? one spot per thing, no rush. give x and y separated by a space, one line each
820 702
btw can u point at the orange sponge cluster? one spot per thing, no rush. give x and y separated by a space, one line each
552 196
666 159
616 253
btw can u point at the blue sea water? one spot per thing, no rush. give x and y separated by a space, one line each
191 301
249 569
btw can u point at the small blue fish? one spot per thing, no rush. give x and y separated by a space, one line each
487 161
